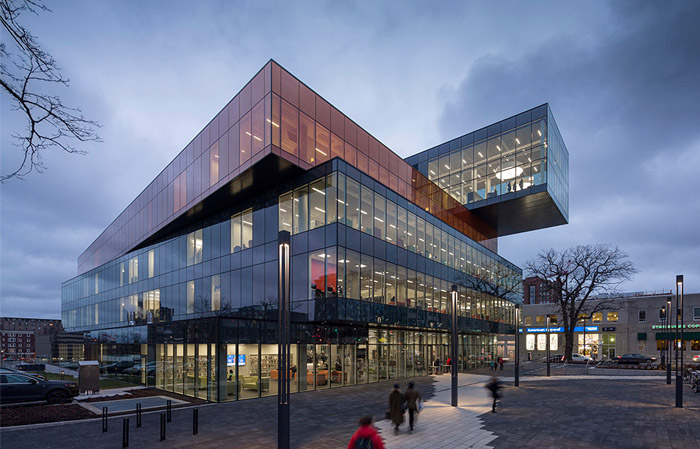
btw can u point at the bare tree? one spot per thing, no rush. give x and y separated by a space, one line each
205 307
498 281
575 276
25 73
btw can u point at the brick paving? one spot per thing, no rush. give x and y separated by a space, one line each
592 412
559 412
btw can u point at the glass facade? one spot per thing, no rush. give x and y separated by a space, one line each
180 291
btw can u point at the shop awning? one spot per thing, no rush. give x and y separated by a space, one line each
686 335
641 336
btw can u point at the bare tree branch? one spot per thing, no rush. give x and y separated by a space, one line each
23 75
578 274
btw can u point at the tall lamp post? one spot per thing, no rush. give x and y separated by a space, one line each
548 373
517 345
283 327
679 317
668 340
453 364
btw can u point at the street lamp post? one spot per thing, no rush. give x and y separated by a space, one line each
679 326
453 364
517 345
669 354
283 327
548 373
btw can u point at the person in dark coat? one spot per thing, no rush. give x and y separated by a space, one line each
396 407
366 436
494 386
413 398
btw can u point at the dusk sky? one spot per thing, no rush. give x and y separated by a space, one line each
622 79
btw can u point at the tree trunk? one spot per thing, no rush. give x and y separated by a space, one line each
568 343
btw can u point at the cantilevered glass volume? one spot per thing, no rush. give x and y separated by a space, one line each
180 291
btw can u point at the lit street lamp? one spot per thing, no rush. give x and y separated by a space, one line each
283 327
679 316
453 362
548 373
667 316
517 345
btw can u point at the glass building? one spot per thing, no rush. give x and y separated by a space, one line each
180 291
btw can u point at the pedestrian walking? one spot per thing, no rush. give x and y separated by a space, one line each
500 362
413 400
366 437
396 407
494 386
436 365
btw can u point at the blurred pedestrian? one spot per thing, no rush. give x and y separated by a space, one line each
413 403
494 386
366 437
500 362
396 407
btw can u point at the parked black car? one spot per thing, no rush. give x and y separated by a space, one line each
24 388
634 358
16 371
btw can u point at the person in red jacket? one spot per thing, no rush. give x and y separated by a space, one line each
366 437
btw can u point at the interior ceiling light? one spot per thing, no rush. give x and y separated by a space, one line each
539 133
509 173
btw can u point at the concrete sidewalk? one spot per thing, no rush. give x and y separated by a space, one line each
441 425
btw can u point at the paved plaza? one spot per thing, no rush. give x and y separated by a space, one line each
577 410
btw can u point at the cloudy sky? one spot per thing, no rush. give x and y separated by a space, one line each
622 78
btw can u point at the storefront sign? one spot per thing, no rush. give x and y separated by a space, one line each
674 326
608 329
539 330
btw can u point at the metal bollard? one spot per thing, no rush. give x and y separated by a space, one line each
170 410
104 419
138 415
125 432
195 421
162 427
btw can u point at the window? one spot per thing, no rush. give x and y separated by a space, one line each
133 270
530 341
528 321
598 317
696 313
695 344
642 316
214 164
317 204
194 247
539 319
241 231
662 315
151 263
532 294
552 319
541 342
612 317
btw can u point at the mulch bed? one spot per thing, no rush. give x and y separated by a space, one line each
42 413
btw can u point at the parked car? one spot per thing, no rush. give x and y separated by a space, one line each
556 358
633 358
117 367
136 369
24 388
16 371
578 358
696 358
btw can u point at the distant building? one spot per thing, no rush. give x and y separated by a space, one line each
18 336
638 325
535 291
59 349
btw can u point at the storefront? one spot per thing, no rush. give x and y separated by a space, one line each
587 341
